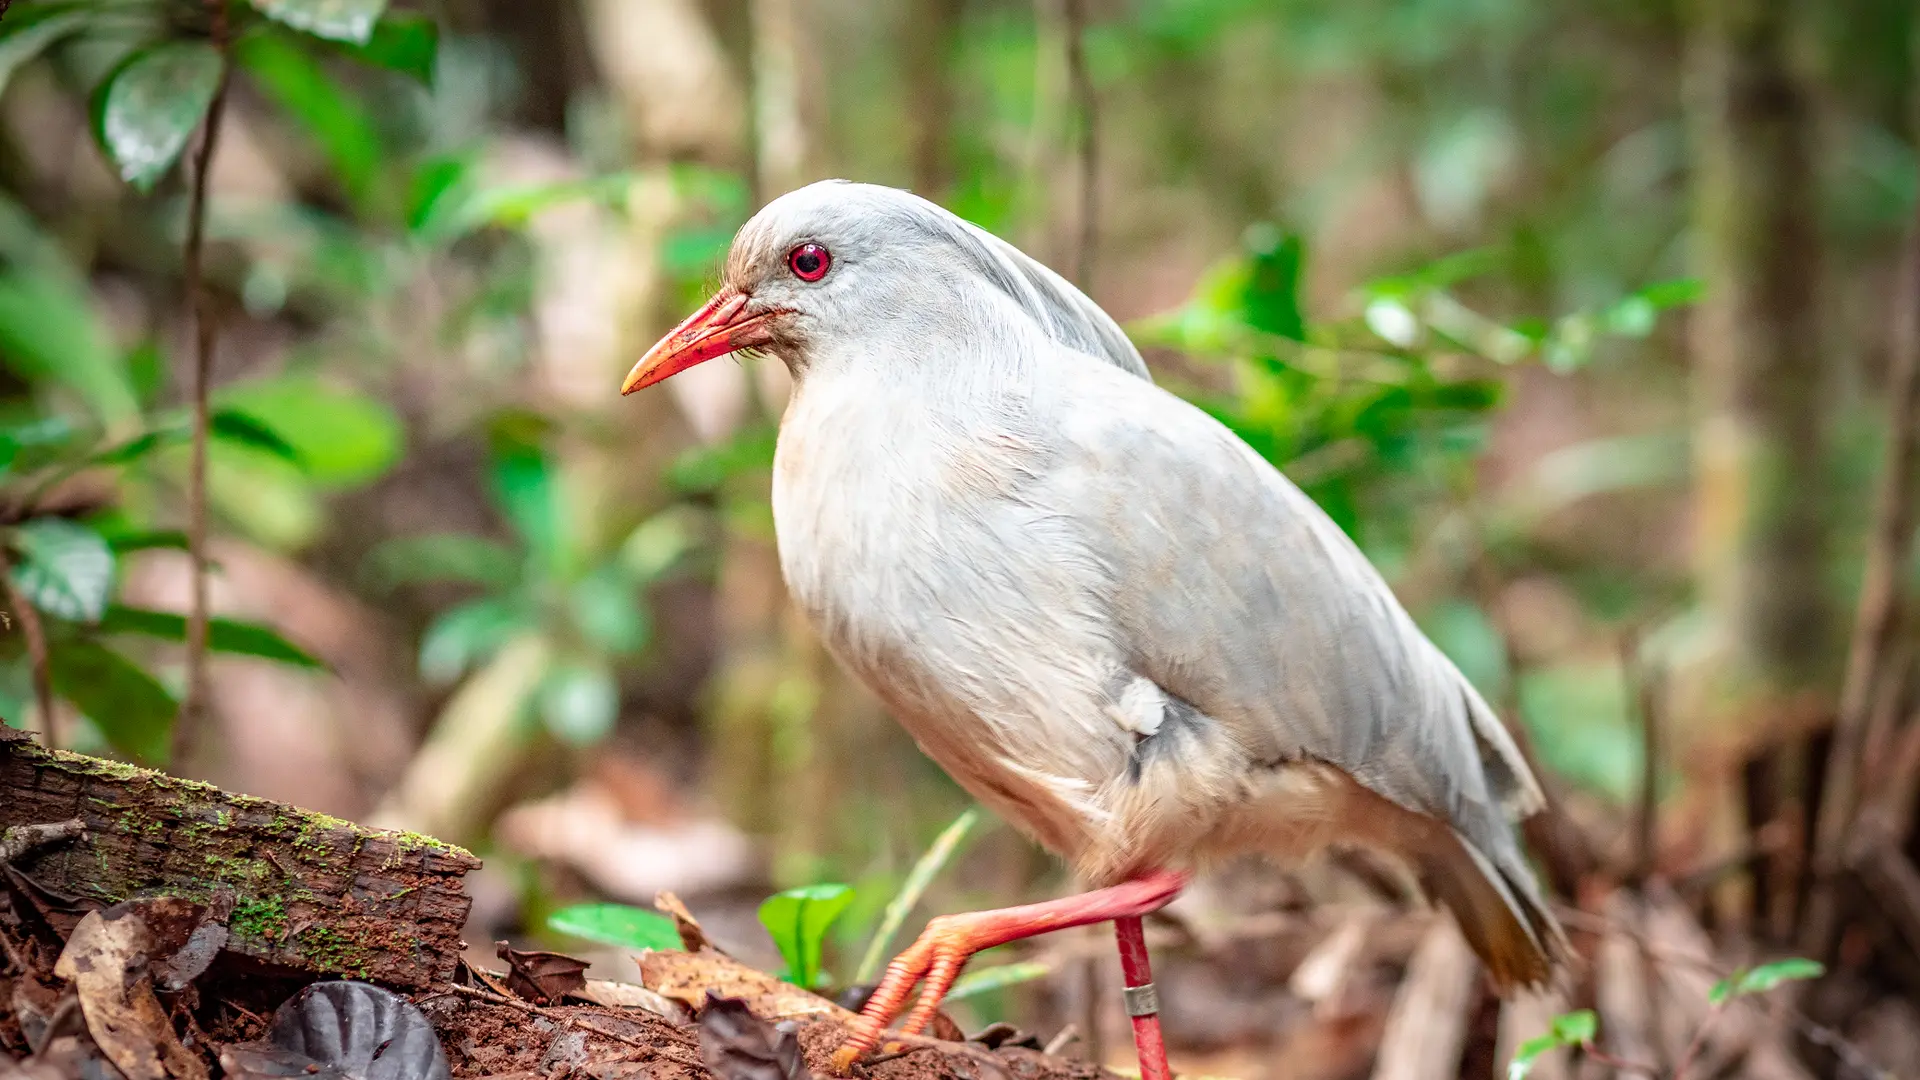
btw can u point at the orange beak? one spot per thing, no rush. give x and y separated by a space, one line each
715 330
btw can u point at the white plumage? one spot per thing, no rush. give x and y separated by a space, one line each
1100 611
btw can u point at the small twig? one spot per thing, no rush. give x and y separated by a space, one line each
881 1059
1067 1037
195 701
13 954
1080 85
1643 689
37 655
21 839
1820 1034
1621 1064
1697 1043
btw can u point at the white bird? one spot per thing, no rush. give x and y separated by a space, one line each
1103 614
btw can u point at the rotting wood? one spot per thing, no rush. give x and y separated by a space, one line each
1427 1029
298 890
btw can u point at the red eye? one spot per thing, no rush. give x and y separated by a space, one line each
809 262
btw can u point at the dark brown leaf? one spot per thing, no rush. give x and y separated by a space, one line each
52 915
542 977
356 1030
106 960
738 1045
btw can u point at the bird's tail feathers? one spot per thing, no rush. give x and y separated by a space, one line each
1501 913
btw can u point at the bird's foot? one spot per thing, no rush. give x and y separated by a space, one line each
935 959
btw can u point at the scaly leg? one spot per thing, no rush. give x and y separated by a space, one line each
943 948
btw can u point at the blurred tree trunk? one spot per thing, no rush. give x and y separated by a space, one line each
1761 388
932 26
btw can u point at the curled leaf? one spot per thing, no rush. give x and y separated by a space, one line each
738 1045
542 977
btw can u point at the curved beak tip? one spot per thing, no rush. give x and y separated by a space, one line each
721 326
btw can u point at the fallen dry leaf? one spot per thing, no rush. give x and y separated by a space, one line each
689 977
692 938
542 977
624 995
106 960
737 1045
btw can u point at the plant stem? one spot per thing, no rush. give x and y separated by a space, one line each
903 902
186 724
36 635
1694 1045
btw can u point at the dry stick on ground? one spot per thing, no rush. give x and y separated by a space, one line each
36 635
1427 1027
1080 87
1815 1032
1878 613
195 702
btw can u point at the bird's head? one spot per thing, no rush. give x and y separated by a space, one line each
839 269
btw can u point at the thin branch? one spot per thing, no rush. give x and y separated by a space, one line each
1080 87
1643 688
185 728
36 634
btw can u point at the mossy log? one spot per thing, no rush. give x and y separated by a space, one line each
298 890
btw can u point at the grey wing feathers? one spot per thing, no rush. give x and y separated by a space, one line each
1068 316
1235 592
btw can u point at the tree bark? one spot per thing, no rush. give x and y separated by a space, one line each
297 890
1761 386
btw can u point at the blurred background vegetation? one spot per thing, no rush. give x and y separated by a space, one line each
1584 318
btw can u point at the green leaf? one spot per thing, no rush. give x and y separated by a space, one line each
238 427
297 82
1764 978
134 449
618 925
465 635
607 611
345 439
130 708
660 541
223 635
64 568
526 490
987 980
173 539
49 333
1569 1029
148 107
404 42
27 31
798 920
338 20
579 702
929 865
439 190
441 557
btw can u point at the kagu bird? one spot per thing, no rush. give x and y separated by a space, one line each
1101 612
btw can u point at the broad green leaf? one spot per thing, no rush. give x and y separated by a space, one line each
344 438
404 42
929 865
1764 978
579 702
238 427
129 450
987 980
607 610
1569 1029
63 568
297 82
338 20
27 31
465 635
149 106
50 333
129 707
618 925
441 557
439 191
223 635
35 444
798 920
526 489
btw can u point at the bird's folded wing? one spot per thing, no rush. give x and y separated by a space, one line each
1235 592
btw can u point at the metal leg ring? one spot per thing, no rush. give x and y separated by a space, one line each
1142 1000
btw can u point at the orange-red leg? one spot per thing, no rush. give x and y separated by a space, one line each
943 948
